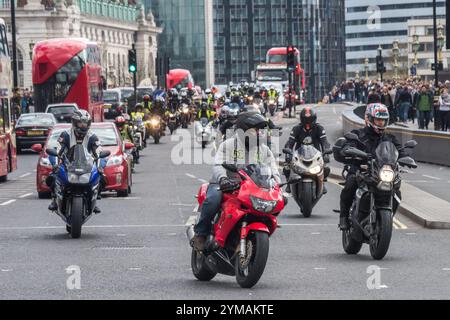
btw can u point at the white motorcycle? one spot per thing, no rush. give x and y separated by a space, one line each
204 132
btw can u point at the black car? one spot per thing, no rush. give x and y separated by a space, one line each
62 112
33 128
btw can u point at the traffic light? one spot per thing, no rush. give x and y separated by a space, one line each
132 61
291 65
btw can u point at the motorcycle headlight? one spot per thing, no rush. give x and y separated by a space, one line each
262 205
315 170
82 179
387 174
114 161
45 162
154 122
185 110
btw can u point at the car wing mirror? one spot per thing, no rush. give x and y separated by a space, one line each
104 154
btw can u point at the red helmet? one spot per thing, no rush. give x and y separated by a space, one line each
120 121
146 97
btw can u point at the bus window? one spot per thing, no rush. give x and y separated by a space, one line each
2 117
3 41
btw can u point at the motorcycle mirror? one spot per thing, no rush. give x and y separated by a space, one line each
104 154
230 167
353 152
288 151
129 146
407 162
37 148
351 136
52 152
411 144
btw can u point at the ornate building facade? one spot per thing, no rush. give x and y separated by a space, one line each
114 25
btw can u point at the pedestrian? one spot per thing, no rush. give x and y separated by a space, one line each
423 103
444 109
403 103
386 99
374 96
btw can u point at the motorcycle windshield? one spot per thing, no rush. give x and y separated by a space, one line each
262 176
204 122
307 152
81 161
234 106
386 153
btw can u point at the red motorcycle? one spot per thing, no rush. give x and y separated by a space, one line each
239 243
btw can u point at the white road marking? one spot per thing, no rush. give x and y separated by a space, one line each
195 209
191 221
307 224
320 268
315 233
25 175
203 180
7 202
128 198
401 225
411 234
25 195
171 234
334 110
7 270
417 181
191 176
181 205
135 269
430 177
445 269
383 286
121 235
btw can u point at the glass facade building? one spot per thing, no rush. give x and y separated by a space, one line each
184 37
244 30
374 23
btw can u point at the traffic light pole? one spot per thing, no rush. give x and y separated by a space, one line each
134 78
14 43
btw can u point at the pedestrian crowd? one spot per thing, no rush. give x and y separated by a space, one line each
410 101
22 101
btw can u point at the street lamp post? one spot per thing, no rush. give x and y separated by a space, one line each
366 68
31 45
395 53
415 48
440 45
357 78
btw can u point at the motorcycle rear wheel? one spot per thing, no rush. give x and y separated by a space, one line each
76 217
199 267
249 277
350 245
379 244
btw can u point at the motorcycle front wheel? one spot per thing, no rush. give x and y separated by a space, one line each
250 270
380 241
306 199
199 267
350 245
76 217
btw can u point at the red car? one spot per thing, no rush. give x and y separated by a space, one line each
117 169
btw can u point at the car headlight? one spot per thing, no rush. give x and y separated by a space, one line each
262 205
114 161
315 170
387 174
82 179
45 162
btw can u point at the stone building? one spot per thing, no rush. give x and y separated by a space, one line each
114 25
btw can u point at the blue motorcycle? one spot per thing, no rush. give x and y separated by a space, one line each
76 187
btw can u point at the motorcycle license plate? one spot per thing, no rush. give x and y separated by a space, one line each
35 133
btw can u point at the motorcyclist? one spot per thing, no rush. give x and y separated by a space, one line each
147 103
210 97
80 133
369 138
173 100
230 120
308 127
127 134
205 112
238 150
138 112
272 93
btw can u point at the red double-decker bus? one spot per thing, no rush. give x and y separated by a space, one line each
68 71
8 158
179 78
279 56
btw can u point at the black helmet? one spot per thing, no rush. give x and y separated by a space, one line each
81 123
308 118
250 120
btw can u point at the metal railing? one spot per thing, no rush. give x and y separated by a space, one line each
108 9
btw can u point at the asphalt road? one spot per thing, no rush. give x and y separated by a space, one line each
137 248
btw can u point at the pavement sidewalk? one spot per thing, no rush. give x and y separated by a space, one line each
422 207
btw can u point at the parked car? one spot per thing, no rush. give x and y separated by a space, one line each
117 171
33 128
63 111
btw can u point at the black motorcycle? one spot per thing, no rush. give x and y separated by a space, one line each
377 198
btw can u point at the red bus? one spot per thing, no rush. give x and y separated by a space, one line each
68 71
8 157
180 78
279 56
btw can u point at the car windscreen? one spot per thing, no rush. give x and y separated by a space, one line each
110 96
36 120
126 94
107 136
62 110
272 75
